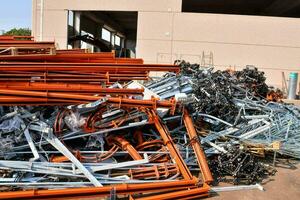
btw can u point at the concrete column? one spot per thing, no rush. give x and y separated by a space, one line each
77 29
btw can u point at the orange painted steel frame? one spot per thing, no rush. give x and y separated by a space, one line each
126 146
201 158
67 87
101 191
189 183
70 57
15 37
189 194
155 171
113 100
84 67
165 135
49 95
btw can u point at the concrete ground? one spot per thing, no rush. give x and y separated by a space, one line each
285 185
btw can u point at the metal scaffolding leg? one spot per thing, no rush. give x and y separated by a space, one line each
54 141
31 145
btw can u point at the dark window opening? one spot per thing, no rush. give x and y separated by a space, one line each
105 30
276 8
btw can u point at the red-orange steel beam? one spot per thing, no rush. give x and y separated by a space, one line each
165 135
28 43
48 95
196 196
114 100
70 51
85 67
34 58
71 74
178 194
201 158
27 46
126 146
60 56
81 80
15 37
78 56
119 188
66 54
143 103
153 172
25 100
67 88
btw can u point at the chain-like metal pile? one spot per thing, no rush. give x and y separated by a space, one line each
230 110
252 80
242 166
111 143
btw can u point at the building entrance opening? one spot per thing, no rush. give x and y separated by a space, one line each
103 31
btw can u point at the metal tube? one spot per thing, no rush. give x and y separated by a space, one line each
121 188
292 85
178 194
165 135
201 158
126 146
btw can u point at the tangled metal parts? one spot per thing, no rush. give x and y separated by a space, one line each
149 149
232 109
242 167
100 144
214 91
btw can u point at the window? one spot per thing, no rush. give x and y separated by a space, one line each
105 34
276 8
71 18
85 45
117 40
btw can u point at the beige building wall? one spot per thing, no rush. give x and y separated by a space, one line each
164 34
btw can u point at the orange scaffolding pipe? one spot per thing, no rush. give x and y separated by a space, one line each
201 158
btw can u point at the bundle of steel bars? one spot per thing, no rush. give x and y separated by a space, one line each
33 76
24 45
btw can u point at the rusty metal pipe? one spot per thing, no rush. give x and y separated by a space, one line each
16 99
67 87
126 146
48 94
164 133
178 194
119 188
87 67
201 158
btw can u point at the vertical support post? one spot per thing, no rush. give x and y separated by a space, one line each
201 159
77 29
41 19
165 135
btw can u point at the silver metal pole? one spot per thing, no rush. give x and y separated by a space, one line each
292 85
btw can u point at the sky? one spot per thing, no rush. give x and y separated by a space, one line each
15 14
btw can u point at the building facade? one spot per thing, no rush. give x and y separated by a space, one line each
159 31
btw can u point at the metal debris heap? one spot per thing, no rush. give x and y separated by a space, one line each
84 124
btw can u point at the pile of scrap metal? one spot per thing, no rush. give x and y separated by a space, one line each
69 129
76 124
120 146
238 127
